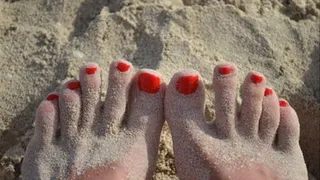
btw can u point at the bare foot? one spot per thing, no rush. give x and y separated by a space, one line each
257 140
78 137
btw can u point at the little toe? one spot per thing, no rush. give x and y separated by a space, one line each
90 81
224 86
251 107
184 100
270 116
70 106
289 127
120 79
47 120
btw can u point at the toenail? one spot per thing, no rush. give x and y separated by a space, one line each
283 103
91 70
73 85
123 67
268 91
52 97
225 70
187 84
149 83
255 78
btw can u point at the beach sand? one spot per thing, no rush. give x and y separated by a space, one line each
43 43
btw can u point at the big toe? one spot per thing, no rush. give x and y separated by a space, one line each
145 119
184 101
146 102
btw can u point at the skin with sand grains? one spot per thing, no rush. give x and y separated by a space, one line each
77 137
255 140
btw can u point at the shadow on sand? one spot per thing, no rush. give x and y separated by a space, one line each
308 110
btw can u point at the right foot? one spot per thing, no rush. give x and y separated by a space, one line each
260 140
74 140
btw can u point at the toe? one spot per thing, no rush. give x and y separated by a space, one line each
224 85
70 106
251 107
289 127
146 103
270 116
120 78
47 120
90 90
184 100
145 112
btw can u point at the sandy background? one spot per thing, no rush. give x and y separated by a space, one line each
44 42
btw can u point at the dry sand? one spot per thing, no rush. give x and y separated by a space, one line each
44 42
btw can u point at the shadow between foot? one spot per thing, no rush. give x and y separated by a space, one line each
149 43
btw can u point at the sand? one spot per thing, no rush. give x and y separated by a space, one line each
43 43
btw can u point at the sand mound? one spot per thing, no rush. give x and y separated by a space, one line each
44 42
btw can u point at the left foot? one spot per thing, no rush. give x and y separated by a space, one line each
76 140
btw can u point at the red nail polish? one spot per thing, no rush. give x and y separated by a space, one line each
149 83
187 84
283 103
255 78
52 97
268 91
123 67
91 70
225 70
73 85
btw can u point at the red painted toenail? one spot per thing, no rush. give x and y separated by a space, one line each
149 83
268 91
283 103
52 97
73 85
225 70
187 84
123 67
255 78
91 70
